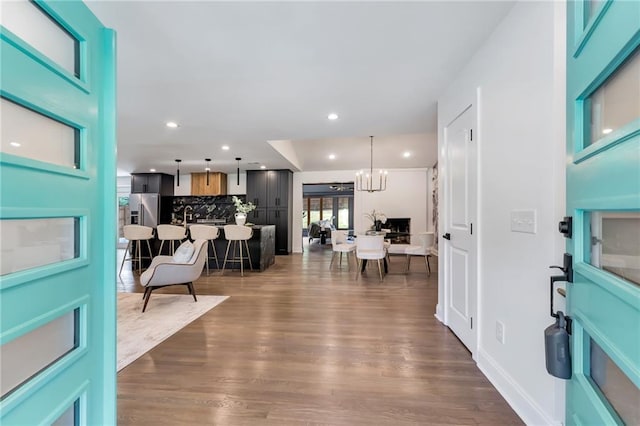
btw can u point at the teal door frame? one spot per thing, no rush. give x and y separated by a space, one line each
83 380
601 176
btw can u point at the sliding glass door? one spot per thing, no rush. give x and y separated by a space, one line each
338 209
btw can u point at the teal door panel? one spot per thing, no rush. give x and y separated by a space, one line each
58 224
603 197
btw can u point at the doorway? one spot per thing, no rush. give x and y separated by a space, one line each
326 205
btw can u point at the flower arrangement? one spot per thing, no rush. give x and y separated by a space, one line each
376 217
242 207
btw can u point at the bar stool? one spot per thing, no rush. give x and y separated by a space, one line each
209 233
171 233
235 234
137 233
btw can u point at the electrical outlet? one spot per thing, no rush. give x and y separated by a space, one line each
500 332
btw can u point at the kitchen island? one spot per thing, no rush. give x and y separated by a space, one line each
261 249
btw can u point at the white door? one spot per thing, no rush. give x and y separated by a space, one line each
459 239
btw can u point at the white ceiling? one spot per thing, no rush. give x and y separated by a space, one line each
245 73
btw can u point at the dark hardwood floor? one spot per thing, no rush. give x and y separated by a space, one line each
302 344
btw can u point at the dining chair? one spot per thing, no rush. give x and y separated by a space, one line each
424 249
341 245
370 247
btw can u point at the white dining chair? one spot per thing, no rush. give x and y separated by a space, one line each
424 249
341 245
370 247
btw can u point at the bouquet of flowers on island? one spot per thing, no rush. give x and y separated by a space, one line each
378 218
242 207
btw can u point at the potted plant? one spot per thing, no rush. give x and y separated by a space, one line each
378 218
242 209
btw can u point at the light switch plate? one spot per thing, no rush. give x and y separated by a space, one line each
523 221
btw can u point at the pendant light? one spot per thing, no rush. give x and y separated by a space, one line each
238 171
369 185
178 172
207 168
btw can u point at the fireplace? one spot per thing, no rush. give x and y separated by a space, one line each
399 230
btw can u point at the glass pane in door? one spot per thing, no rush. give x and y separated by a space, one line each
343 213
615 243
621 393
616 102
314 210
592 7
327 209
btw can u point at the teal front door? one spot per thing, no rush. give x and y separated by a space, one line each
57 215
603 196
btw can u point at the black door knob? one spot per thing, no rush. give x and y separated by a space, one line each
566 226
447 236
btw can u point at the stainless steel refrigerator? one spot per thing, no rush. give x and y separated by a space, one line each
145 209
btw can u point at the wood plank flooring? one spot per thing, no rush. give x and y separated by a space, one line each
302 344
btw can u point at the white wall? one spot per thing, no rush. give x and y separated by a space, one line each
185 184
406 196
123 185
520 72
232 188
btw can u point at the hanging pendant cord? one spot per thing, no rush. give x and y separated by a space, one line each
371 163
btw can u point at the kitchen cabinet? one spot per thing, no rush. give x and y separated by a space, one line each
152 183
257 187
217 184
271 192
280 218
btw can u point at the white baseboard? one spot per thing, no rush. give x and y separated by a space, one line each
439 314
524 406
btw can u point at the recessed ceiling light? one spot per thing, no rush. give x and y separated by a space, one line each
225 147
172 124
16 144
406 154
606 131
332 116
332 156
263 167
152 170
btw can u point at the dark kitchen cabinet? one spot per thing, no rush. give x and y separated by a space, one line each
280 219
271 192
152 183
278 188
257 183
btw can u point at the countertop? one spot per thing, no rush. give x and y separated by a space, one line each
219 225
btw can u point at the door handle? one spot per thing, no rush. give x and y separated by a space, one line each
447 236
567 276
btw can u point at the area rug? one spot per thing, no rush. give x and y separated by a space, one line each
165 315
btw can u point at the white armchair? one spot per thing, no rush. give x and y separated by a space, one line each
165 271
